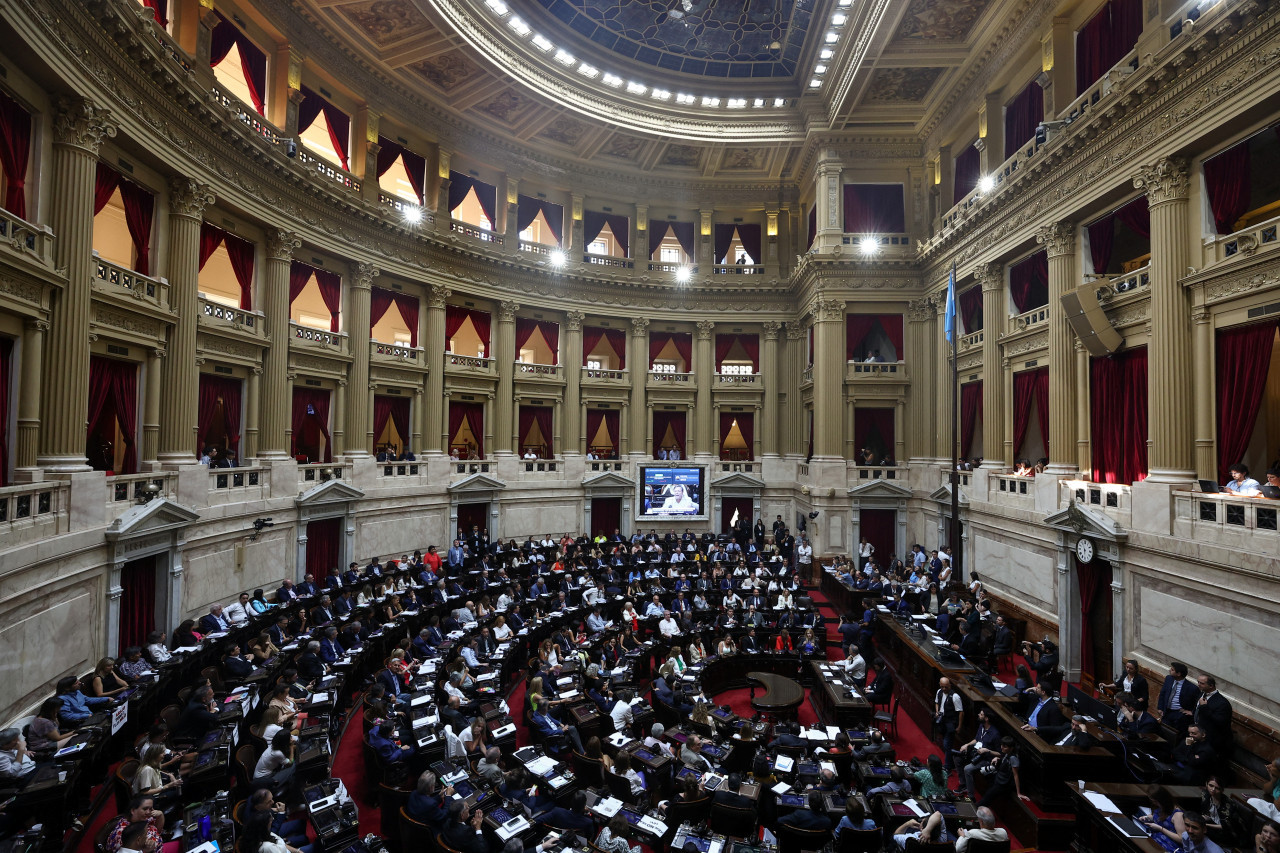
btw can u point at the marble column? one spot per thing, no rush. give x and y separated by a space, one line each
1059 240
79 126
828 376
947 406
435 433
704 426
29 387
1084 457
639 366
276 403
1170 397
830 203
252 415
338 412
991 279
1205 404
794 433
359 421
179 399
768 431
151 393
922 403
570 358
504 349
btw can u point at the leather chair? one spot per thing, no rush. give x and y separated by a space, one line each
694 811
859 841
916 846
978 845
414 834
881 719
122 784
590 770
733 820
794 840
390 800
243 763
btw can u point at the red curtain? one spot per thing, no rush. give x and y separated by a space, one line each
137 602
486 194
813 224
593 223
724 343
159 10
591 337
15 153
617 339
1118 417
874 209
454 317
528 208
541 415
330 284
683 342
213 389
323 546
210 240
968 169
1021 117
253 62
551 334
751 343
971 310
810 355
525 328
1105 39
299 275
105 181
311 410
879 526
746 425
1243 361
610 420
1030 386
113 399
473 415
380 301
1102 235
1227 178
675 421
389 151
723 236
139 211
873 428
410 309
1029 282
1090 577
856 329
395 409
481 320
239 252
339 122
970 407
6 372
606 514
751 242
1136 216
892 325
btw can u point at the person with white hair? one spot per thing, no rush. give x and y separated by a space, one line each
986 830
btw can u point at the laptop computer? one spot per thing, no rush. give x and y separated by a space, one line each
1209 487
1272 492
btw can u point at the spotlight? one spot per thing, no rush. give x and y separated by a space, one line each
290 147
813 515
987 184
683 275
260 524
412 214
869 245
557 258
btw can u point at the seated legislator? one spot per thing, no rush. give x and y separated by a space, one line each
1241 483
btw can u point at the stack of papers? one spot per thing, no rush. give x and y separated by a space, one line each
1102 802
541 766
784 763
915 807
608 807
513 827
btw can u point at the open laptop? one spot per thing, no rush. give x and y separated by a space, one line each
1209 487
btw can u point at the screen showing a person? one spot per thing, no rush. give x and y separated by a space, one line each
672 492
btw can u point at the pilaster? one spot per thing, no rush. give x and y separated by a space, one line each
991 280
768 431
29 385
1059 240
794 436
1205 407
436 427
276 402
570 358
639 366
704 425
828 376
505 357
922 400
153 379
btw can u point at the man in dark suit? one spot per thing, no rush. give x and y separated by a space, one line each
462 829
310 665
1072 735
729 796
1194 759
1178 697
815 817
881 689
322 613
788 736
1044 710
1003 642
279 632
331 650
307 587
750 643
393 684
214 621
344 604
970 644
574 818
1132 720
1213 715
286 593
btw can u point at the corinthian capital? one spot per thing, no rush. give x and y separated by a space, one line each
705 328
824 308
1058 238
437 296
920 310
639 326
771 330
363 274
990 276
281 243
795 331
80 122
573 321
507 311
1166 180
188 197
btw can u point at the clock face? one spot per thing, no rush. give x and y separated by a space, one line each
1084 551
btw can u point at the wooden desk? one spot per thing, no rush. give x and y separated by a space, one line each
724 673
782 695
838 700
1094 833
916 668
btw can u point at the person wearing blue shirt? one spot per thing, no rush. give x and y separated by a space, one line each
424 805
855 817
382 740
549 726
1045 713
77 707
456 555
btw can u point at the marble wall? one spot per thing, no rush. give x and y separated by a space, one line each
46 639
1007 567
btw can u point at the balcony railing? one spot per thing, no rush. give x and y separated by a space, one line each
619 466
1008 484
33 511
1105 496
738 269
245 114
319 338
1226 514
608 261
864 473
672 267
466 469
881 242
406 209
738 466
737 378
1261 237
971 340
670 378
876 371
536 248
122 488
326 170
401 469
396 353
240 482
322 472
528 370
484 235
596 374
218 314
19 235
474 363
1130 281
1034 317
806 375
154 290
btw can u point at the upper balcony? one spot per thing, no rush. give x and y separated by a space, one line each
607 378
397 355
863 372
1241 524
114 279
312 339
34 512
468 365
1028 319
1257 239
746 381
662 379
475 232
216 315
26 242
970 341
529 372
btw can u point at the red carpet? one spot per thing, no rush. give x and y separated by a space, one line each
348 765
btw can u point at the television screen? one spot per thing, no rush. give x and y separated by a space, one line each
672 493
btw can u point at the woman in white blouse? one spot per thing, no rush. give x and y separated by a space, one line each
501 630
785 600
697 651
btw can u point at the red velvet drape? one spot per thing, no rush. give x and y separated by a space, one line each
330 284
311 410
1029 282
892 325
239 252
380 303
1027 387
139 211
137 602
1227 179
1118 417
591 337
486 194
105 181
970 408
722 236
6 382
542 416
1021 116
675 421
595 417
212 389
1136 216
752 244
15 154
482 322
971 310
968 168
813 224
874 209
473 415
299 275
593 222
1102 235
1094 578
253 61
1105 39
324 551
878 526
606 514
1243 361
410 310
746 425
683 342
394 409
617 340
339 123
873 428
856 329
454 317
389 151
113 399
724 343
751 343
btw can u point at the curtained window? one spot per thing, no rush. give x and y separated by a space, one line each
310 425
253 60
1243 362
6 394
748 345
414 178
1021 117
137 602
324 546
968 169
527 210
1136 220
1105 39
469 446
456 316
1118 417
525 327
594 221
1227 179
602 432
1030 388
669 432
113 415
338 123
329 285
737 436
971 309
1029 283
539 440
239 254
460 186
682 341
407 307
873 430
392 411
864 333
139 213
615 339
218 416
748 237
682 231
15 154
970 411
874 209
813 224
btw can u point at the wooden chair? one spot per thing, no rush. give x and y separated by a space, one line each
414 834
170 714
590 770
123 784
391 800
243 764
443 847
881 719
694 811
793 839
844 766
917 846
214 674
732 820
184 695
861 841
619 787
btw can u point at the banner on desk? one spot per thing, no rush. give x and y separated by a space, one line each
119 717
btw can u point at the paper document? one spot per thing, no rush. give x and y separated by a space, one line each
541 766
1102 802
781 788
784 763
653 825
608 807
915 807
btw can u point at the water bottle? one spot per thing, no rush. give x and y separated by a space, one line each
205 827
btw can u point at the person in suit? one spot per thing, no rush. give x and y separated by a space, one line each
331 650
729 796
1176 703
1133 721
1042 659
574 818
462 828
307 587
789 736
1131 682
286 593
279 632
814 818
214 621
1213 715
1002 643
1193 759
425 804
322 613
881 689
310 665
750 643
970 644
1044 710
549 726
1072 735
393 683
234 665
382 740
343 605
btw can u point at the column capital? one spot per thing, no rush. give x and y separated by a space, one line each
281 243
771 330
990 276
1166 180
363 274
437 295
1058 238
825 309
639 327
188 197
705 328
920 310
33 324
81 123
573 321
507 311
795 331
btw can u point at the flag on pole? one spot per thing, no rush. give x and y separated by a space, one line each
951 305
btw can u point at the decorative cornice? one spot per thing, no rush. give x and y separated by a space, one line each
826 309
437 296
990 276
920 310
81 123
1164 181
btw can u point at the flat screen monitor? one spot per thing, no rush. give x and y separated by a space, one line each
670 493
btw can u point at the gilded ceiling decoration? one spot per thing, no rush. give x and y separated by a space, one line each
909 85
623 146
940 20
386 21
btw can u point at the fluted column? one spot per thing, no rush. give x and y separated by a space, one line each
829 200
179 399
1084 458
1205 405
276 405
704 423
152 382
29 386
359 425
505 357
639 362
1170 398
942 384
794 425
1059 240
768 430
991 279
828 376
570 358
435 434
922 402
79 126
252 414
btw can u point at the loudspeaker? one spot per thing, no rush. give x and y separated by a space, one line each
1090 322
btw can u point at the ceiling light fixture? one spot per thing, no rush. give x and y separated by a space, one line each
564 57
708 101
661 94
826 53
519 26
542 42
412 214
498 7
819 69
815 83
612 80
636 88
736 103
682 98
588 70
831 38
557 258
839 19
